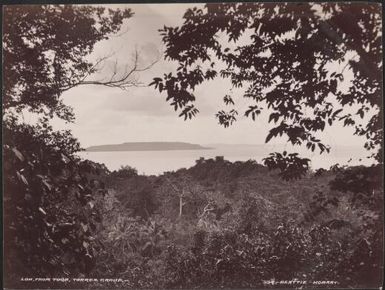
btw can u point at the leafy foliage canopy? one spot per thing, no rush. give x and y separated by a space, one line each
45 49
49 193
284 65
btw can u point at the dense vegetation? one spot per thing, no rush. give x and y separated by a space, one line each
49 210
216 224
240 225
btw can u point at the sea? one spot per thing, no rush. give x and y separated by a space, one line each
158 162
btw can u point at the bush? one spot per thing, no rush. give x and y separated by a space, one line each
50 211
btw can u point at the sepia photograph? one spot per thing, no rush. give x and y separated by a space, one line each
234 145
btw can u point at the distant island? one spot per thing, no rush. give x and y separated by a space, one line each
147 146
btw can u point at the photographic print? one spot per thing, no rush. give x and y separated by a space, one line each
193 146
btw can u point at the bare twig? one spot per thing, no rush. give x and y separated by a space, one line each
206 209
123 81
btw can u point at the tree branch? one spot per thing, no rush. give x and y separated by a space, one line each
124 81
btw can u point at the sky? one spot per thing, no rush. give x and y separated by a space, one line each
111 115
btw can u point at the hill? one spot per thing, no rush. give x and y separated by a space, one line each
147 146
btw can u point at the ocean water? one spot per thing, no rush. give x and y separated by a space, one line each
157 162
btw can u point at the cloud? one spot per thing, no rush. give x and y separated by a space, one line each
143 101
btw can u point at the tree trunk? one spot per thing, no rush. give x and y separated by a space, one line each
181 204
